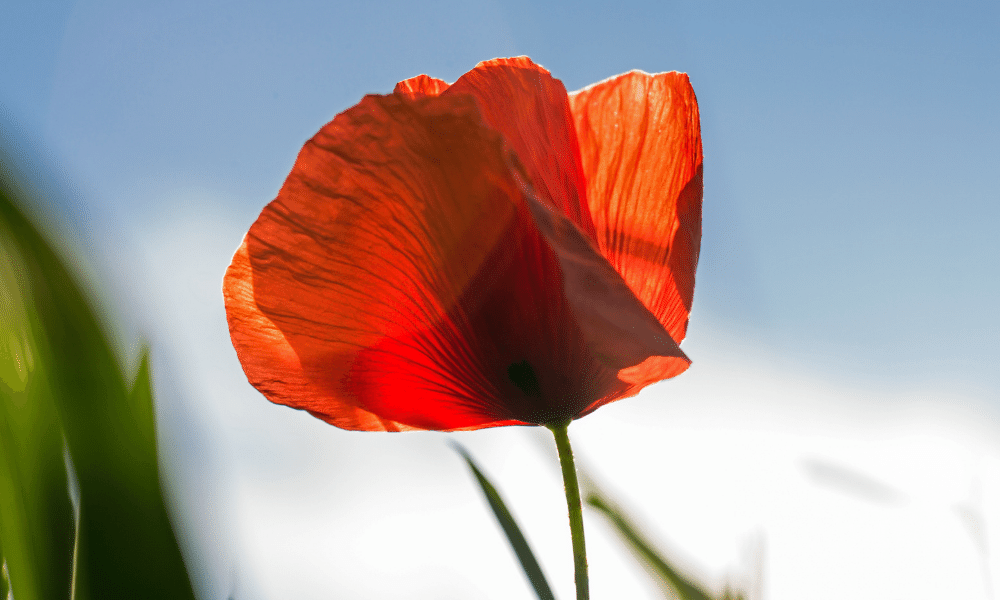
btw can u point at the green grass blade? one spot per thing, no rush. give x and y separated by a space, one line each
4 583
36 514
655 563
126 523
126 547
517 540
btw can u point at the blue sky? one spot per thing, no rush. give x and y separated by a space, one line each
851 171
851 147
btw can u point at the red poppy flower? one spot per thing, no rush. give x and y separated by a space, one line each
491 252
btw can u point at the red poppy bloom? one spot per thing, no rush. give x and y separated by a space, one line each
491 252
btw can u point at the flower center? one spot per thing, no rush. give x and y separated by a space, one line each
522 374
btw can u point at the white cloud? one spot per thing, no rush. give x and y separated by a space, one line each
744 469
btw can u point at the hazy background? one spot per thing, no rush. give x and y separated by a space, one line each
839 432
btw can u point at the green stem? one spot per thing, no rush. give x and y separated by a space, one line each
575 508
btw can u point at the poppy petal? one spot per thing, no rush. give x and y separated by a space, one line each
618 328
386 217
640 143
431 263
420 86
519 347
270 362
530 109
621 334
400 274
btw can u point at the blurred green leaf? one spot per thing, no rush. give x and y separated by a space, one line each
655 563
4 580
517 540
4 584
125 546
123 521
36 514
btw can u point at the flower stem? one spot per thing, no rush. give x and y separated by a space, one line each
575 508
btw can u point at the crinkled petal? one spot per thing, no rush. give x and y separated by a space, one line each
530 109
622 335
389 213
271 363
399 280
431 263
420 87
640 143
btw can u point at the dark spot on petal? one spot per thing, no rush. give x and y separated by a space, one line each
523 376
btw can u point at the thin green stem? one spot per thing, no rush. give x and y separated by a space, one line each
575 508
